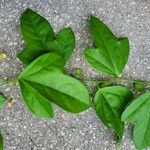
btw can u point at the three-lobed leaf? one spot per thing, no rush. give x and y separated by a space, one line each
110 53
42 82
109 103
40 38
138 114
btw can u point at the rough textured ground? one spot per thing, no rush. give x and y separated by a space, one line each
84 131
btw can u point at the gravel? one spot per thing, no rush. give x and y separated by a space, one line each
84 131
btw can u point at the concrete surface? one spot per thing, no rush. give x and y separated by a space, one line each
84 131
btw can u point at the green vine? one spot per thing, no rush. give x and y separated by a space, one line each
100 82
44 80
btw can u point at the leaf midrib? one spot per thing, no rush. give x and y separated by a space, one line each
110 70
77 99
37 33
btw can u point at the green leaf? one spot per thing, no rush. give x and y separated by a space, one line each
40 39
2 99
46 82
139 86
46 61
65 43
109 103
110 53
138 114
36 30
1 142
36 103
28 54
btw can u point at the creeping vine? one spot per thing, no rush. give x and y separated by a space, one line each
44 81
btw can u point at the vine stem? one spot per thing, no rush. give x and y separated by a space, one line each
116 80
112 80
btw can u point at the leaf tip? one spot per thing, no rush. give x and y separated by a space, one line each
28 10
92 17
